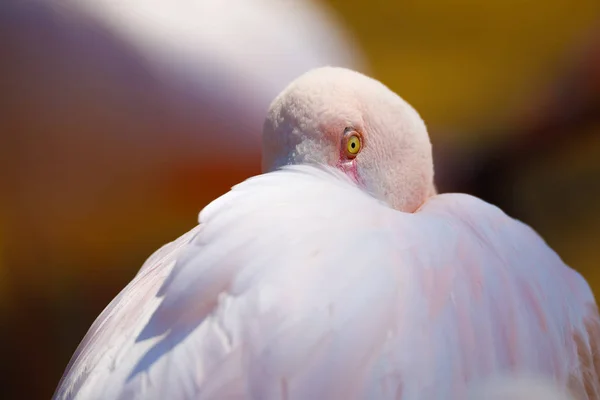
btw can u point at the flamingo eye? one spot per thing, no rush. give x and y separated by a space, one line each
353 144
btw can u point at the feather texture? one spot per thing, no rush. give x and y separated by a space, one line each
298 285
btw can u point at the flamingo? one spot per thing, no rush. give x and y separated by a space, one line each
340 273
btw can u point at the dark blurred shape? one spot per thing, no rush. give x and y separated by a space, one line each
119 121
562 115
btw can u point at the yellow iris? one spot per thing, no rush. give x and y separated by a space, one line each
353 145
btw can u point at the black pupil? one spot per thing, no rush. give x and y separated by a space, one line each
353 144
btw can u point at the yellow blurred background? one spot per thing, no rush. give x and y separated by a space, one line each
514 82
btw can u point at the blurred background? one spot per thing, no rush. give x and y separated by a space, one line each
120 120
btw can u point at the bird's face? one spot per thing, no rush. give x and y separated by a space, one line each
341 118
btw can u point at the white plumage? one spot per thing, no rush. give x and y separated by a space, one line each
298 285
318 281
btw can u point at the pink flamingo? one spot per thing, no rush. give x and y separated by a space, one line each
339 273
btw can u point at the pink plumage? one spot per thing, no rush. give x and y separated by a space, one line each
313 282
